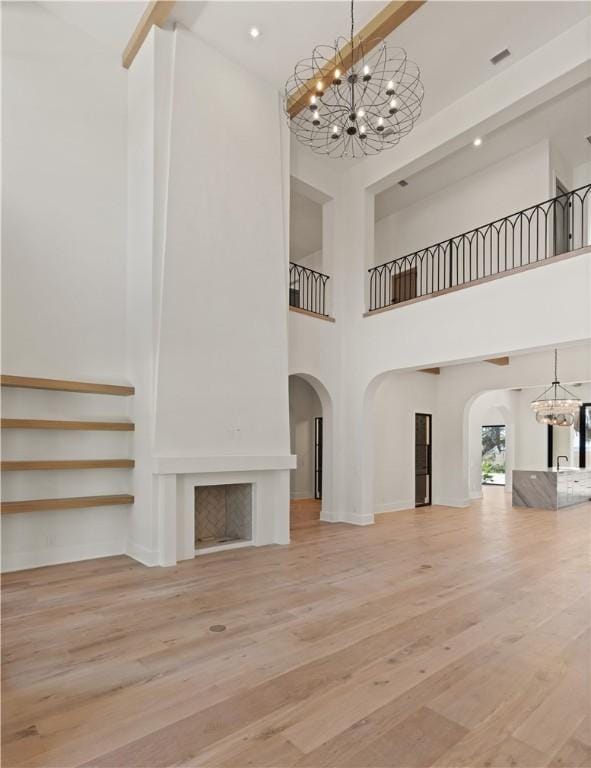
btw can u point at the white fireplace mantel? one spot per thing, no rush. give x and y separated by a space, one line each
176 478
182 465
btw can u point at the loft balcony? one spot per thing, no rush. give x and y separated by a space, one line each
308 291
538 235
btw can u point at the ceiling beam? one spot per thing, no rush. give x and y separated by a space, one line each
156 14
498 360
434 371
372 34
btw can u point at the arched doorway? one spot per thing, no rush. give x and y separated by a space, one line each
491 440
310 426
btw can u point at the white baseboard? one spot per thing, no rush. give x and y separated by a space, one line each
20 561
328 517
393 506
360 520
142 554
449 502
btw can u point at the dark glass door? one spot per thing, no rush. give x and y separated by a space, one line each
562 220
318 447
423 454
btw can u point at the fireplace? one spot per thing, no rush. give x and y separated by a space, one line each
223 514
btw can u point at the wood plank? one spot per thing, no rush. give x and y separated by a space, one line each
73 502
434 371
498 360
95 426
372 34
304 511
156 14
107 662
23 466
62 385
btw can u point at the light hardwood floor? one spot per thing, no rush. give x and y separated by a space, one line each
438 637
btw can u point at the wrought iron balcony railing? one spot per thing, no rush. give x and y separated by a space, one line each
307 289
536 234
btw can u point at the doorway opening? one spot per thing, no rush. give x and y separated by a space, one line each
494 447
423 459
318 450
309 426
562 220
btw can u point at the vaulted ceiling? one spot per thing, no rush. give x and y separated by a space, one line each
451 41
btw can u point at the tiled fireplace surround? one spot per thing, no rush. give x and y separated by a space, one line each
177 478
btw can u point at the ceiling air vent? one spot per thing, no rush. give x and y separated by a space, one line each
403 183
500 56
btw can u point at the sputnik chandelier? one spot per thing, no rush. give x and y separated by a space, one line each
556 405
347 102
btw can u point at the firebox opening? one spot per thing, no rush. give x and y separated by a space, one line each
223 514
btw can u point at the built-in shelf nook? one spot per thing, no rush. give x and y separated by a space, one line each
28 465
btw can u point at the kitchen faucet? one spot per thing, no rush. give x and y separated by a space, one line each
558 462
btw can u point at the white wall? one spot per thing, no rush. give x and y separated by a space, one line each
304 407
397 398
63 273
222 362
501 189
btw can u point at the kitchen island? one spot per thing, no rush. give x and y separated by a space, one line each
551 488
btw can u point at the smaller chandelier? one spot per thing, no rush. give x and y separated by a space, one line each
349 102
556 405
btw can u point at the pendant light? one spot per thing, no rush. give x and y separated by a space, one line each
556 405
353 98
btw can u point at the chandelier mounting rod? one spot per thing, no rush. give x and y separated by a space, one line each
372 34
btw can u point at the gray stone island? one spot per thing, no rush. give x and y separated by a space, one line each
551 488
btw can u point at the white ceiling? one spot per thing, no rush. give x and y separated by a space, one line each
110 22
451 41
566 121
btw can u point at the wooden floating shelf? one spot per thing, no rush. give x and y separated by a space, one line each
76 502
60 385
23 466
108 426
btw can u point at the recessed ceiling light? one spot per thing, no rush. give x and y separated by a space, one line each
477 141
255 31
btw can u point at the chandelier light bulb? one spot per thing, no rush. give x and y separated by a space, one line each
313 105
390 88
366 73
362 132
319 88
380 125
360 113
337 77
335 132
393 107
